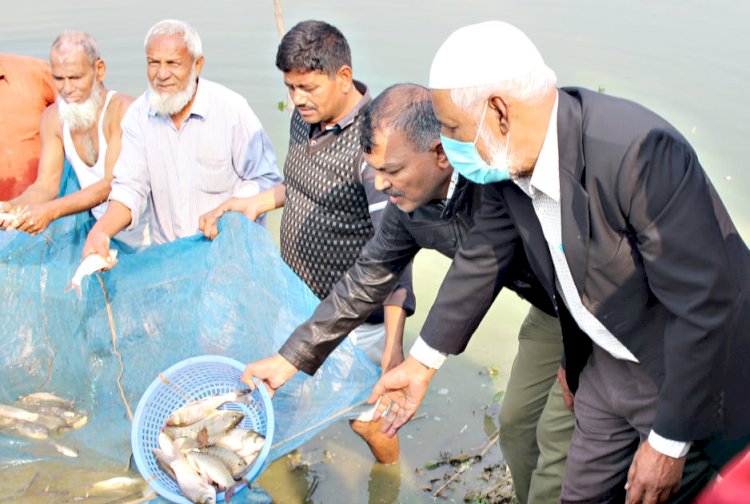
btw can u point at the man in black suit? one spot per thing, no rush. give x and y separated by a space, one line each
431 206
622 226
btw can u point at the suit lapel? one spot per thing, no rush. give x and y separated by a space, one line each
574 200
522 213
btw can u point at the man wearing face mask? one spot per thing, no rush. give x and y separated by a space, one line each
188 144
607 199
432 207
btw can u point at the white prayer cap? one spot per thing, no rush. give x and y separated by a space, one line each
483 53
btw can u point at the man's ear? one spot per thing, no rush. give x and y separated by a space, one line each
344 76
199 65
500 109
442 159
100 69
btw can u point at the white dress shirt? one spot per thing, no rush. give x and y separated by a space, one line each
219 151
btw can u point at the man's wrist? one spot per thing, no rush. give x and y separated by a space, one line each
427 355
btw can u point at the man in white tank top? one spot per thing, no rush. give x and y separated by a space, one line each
84 127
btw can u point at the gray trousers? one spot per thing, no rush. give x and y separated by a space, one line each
535 425
615 406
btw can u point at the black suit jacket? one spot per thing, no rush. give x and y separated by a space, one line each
653 253
397 240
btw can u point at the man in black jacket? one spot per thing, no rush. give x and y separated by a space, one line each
432 207
621 225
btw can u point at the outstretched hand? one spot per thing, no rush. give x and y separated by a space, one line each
401 391
274 371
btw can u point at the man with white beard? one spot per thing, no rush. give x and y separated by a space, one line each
82 126
188 145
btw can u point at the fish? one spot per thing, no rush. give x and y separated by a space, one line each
41 399
118 484
27 429
5 216
50 422
197 410
236 464
64 450
214 469
215 424
90 264
193 485
244 442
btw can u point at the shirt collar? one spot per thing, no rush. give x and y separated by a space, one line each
198 108
349 118
452 185
546 175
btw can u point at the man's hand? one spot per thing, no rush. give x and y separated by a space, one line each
401 389
34 219
568 397
249 207
97 242
273 371
653 477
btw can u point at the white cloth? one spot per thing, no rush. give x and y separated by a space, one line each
219 151
90 175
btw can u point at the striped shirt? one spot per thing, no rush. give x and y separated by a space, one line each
220 151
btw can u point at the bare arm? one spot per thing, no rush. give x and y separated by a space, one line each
395 319
252 207
51 160
114 220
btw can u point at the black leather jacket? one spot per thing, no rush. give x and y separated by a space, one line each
436 225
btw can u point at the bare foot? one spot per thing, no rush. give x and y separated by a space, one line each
385 449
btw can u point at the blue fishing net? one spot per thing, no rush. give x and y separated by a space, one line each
159 305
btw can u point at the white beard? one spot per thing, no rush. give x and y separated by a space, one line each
81 116
498 152
169 104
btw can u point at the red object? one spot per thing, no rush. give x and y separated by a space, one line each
732 485
26 89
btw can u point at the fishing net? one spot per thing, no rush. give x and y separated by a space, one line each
233 296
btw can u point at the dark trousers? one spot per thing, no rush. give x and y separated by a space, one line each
615 406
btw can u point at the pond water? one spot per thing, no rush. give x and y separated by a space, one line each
685 59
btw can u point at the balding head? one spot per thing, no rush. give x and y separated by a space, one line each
406 108
75 40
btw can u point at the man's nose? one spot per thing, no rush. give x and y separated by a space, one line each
381 182
67 87
162 73
298 97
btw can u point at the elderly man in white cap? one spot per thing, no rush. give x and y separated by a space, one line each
607 198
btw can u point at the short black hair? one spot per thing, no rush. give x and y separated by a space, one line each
402 107
313 46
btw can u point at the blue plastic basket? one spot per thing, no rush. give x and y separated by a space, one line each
197 377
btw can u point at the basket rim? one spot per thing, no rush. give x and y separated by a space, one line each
258 465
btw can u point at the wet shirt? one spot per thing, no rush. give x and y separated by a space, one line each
26 89
220 151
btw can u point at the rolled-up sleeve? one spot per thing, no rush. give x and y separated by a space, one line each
253 156
132 185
